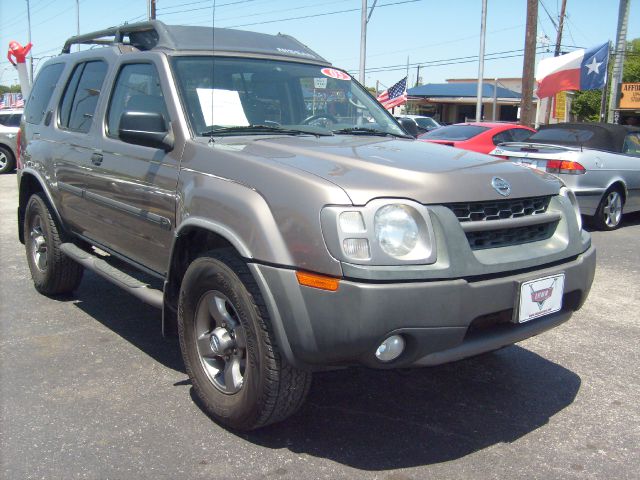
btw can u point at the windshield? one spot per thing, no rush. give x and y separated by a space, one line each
426 122
454 132
237 96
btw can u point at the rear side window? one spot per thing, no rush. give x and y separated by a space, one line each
632 144
502 137
520 134
81 95
137 88
455 132
10 120
42 92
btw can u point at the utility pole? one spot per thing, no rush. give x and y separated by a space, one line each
418 76
621 45
363 40
78 22
494 116
556 52
152 9
483 28
29 41
526 105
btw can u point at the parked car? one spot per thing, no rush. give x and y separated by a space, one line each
423 124
477 136
600 162
9 123
285 235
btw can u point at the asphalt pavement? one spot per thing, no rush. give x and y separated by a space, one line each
89 389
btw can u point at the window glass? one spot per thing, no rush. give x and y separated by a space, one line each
520 134
223 95
455 132
426 122
632 144
85 98
10 120
502 137
41 92
69 93
137 89
565 135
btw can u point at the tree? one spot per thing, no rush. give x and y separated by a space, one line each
586 104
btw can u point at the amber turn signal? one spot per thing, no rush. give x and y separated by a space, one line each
318 281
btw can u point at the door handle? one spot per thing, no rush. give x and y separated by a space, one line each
96 158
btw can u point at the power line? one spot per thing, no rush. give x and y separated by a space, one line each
160 10
320 14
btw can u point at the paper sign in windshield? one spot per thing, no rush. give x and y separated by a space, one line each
333 73
320 83
221 107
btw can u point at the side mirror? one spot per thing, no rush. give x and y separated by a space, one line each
145 128
409 126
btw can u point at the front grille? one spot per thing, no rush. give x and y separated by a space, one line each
510 236
503 210
499 209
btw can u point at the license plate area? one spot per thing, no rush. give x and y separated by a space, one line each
527 162
539 297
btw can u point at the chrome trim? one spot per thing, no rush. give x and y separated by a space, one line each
483 225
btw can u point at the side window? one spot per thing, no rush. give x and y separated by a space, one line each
632 144
502 137
137 88
520 134
41 92
81 95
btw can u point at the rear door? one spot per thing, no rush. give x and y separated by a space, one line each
135 192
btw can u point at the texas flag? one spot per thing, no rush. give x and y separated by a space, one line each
578 70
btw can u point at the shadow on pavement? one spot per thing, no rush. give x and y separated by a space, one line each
135 321
380 420
628 220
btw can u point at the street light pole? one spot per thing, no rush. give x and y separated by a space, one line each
363 40
78 22
621 44
483 28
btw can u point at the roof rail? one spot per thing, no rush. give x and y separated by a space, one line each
142 35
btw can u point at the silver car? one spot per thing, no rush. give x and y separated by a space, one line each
9 123
600 162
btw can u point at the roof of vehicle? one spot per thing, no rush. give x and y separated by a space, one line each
156 35
606 136
493 124
460 90
11 111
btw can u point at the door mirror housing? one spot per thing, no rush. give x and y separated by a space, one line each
147 129
409 126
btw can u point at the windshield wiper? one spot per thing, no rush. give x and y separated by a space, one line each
259 129
368 131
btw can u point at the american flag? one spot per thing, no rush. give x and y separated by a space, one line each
11 100
394 96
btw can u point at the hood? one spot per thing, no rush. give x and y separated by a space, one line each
376 167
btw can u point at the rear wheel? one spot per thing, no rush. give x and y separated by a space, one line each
229 348
52 271
609 212
7 161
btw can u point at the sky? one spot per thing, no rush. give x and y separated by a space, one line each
422 31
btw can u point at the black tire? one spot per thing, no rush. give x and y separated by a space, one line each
267 389
53 273
605 218
7 160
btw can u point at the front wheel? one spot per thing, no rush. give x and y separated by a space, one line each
609 212
229 349
7 160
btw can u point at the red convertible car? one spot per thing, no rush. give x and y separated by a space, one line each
478 136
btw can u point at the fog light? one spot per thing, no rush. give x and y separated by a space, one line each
390 349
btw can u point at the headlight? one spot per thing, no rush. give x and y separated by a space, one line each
383 232
396 230
567 192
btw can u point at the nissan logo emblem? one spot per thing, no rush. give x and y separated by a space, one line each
501 186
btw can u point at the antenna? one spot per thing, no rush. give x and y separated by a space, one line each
213 60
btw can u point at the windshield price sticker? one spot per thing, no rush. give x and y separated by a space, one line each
333 73
320 83
540 297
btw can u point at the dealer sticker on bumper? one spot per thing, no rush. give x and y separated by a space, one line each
540 297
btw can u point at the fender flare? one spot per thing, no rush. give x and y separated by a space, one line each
43 186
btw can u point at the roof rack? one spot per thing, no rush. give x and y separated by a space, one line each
142 35
156 35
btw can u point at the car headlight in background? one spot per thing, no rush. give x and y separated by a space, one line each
383 232
567 192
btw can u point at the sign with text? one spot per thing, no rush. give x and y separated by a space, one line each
630 95
560 104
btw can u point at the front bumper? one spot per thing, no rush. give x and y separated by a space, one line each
441 320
